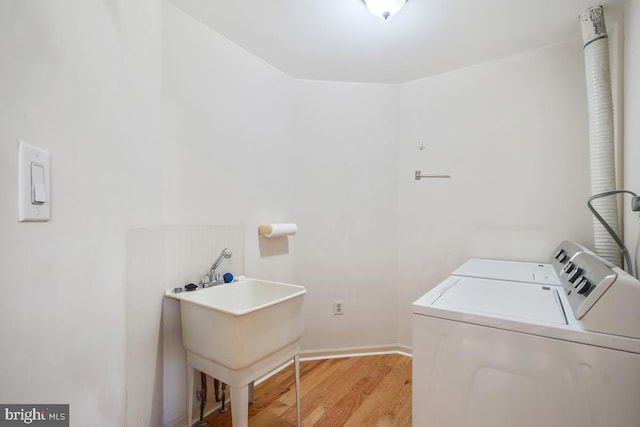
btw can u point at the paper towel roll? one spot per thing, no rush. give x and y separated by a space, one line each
277 230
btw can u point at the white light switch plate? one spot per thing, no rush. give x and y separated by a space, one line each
33 158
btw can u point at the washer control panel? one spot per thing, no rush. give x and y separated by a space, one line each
585 279
603 298
563 254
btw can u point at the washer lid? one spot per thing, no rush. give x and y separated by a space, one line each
509 270
496 298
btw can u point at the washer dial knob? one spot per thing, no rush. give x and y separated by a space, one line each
573 276
561 256
583 285
568 267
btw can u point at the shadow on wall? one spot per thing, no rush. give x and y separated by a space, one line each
273 246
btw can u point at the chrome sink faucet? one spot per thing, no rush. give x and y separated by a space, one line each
216 278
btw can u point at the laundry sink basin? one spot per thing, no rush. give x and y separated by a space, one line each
238 324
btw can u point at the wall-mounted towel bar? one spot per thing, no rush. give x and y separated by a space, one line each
419 176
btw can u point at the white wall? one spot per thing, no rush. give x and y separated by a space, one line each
227 117
247 144
631 123
81 80
345 176
513 135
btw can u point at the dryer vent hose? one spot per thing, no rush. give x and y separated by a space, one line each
600 105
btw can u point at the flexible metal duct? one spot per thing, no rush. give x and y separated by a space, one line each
603 177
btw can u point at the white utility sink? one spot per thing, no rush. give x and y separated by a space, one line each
239 323
238 332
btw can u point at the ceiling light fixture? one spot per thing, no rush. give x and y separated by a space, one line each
384 8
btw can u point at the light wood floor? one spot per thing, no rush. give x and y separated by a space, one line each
362 391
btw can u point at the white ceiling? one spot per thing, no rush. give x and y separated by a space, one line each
340 40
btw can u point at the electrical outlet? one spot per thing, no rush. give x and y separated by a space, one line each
338 307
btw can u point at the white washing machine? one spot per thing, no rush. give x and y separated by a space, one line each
530 272
500 353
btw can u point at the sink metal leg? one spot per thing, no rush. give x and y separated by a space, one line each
251 387
296 363
190 374
216 389
240 406
223 408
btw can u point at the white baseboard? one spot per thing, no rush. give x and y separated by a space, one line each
332 353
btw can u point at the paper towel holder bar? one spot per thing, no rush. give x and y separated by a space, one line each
419 176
